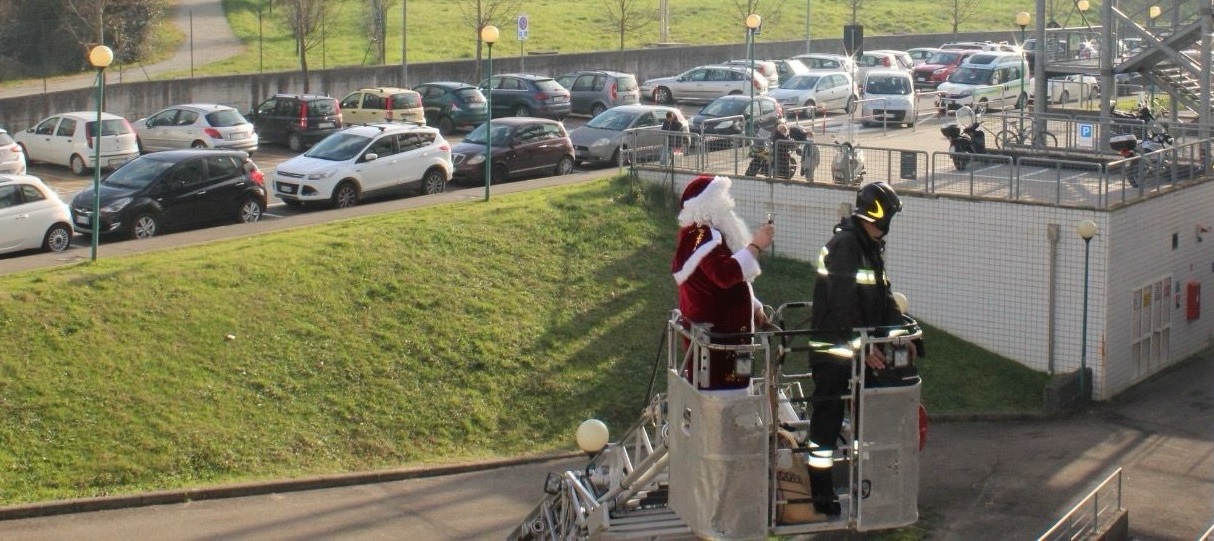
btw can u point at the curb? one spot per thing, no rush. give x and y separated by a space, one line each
105 503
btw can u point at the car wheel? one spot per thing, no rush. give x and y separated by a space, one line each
565 166
736 93
1065 97
198 144
57 238
499 175
662 95
851 105
78 166
250 211
139 146
981 107
345 195
446 125
144 226
597 109
521 110
434 181
295 142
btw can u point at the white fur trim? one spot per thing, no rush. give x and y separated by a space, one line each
714 195
693 261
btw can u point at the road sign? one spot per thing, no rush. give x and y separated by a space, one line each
524 27
1085 136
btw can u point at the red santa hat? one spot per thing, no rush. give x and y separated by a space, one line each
705 189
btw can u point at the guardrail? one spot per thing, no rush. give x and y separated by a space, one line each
1090 514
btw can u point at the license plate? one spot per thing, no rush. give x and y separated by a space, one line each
115 162
326 124
240 135
560 99
286 188
476 106
82 220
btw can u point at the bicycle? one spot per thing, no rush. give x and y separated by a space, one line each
1025 135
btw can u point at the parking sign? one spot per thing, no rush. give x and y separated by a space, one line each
523 27
1085 138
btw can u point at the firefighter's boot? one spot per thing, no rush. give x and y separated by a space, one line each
821 481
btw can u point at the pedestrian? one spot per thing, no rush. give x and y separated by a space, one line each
810 155
715 261
852 291
781 152
674 143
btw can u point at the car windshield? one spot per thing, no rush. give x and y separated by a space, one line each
724 108
339 147
613 120
971 76
501 135
943 58
800 82
471 95
888 86
226 118
138 173
116 126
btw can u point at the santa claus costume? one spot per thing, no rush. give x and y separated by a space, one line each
714 269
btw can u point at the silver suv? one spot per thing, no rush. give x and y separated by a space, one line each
358 160
594 91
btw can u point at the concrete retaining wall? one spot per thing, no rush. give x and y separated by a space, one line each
136 99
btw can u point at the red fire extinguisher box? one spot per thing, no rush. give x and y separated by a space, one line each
1192 300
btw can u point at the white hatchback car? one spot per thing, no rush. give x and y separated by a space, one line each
888 98
68 139
196 125
32 216
358 160
12 157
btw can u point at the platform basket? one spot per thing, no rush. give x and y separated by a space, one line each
889 457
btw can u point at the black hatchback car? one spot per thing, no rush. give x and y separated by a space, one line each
174 189
450 105
296 120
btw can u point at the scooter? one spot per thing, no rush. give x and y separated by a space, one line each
761 162
847 167
965 136
1151 161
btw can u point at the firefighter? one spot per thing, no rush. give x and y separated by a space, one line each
851 291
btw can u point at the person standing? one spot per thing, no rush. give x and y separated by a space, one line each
781 152
674 143
715 261
851 291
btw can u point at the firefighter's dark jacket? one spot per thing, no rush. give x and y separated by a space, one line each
852 289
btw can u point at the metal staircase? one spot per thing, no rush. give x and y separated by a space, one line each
1162 61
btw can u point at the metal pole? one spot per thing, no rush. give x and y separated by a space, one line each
97 163
1083 341
404 35
808 33
489 125
750 57
261 57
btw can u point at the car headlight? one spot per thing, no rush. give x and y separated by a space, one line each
322 175
475 159
602 142
116 206
966 93
723 125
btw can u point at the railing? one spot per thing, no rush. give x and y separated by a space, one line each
1090 514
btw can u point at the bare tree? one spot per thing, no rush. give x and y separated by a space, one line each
627 16
769 10
305 19
963 11
124 25
478 14
377 28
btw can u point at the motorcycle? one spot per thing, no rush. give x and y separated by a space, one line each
761 162
1152 160
847 167
970 139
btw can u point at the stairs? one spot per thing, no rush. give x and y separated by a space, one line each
1161 61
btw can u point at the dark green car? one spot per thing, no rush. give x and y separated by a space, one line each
450 105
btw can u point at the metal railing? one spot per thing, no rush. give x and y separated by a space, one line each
1092 513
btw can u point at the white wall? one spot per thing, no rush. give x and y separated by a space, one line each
981 269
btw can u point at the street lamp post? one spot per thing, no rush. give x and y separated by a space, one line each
489 35
1022 20
752 23
100 58
1087 230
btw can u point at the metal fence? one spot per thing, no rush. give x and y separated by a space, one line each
1096 511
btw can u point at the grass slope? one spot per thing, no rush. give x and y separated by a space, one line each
467 330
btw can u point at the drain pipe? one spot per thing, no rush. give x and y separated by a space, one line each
1052 233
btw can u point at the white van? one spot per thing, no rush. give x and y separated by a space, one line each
999 83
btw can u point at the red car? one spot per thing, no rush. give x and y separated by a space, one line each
938 67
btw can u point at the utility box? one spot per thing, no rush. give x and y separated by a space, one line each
1192 297
719 478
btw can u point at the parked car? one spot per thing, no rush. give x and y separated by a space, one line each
195 125
882 59
788 68
1065 88
68 139
296 120
12 156
382 104
520 146
766 68
826 62
819 91
594 91
360 160
451 106
889 98
981 46
601 139
919 55
524 94
174 189
728 115
32 216
939 66
704 84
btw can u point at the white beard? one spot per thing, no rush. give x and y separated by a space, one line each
716 210
734 230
